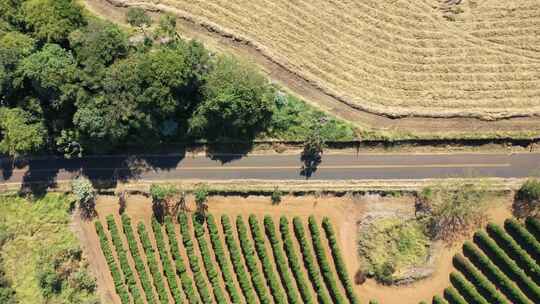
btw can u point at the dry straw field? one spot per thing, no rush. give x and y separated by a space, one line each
429 58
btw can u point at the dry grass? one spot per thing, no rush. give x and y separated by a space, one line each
394 57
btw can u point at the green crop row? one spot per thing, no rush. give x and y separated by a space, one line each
524 238
324 265
273 281
221 258
152 264
310 263
453 297
341 268
294 262
200 280
438 300
113 268
237 262
281 261
491 271
124 263
251 261
181 270
533 225
520 256
466 289
170 273
482 284
211 271
510 268
139 264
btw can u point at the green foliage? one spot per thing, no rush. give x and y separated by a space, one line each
466 289
151 261
527 201
276 196
85 194
453 296
523 237
309 262
439 300
19 135
137 16
162 192
237 261
533 225
201 194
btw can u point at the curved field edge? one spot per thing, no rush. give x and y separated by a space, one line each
366 106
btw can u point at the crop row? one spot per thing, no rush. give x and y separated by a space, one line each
123 259
466 289
524 238
453 296
211 271
115 272
200 280
281 261
139 264
170 273
341 268
309 262
533 225
153 264
325 267
273 281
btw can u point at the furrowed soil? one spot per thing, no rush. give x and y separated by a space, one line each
344 212
449 116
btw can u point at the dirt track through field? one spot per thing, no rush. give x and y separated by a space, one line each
315 95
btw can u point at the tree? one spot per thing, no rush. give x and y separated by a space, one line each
201 198
85 194
238 102
137 17
19 134
14 46
311 154
527 199
276 196
164 200
52 20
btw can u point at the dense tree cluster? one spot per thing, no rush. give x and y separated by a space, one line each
73 84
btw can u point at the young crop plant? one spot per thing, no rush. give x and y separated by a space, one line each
237 262
273 281
338 261
113 267
294 261
453 296
139 263
482 284
221 258
200 280
153 264
533 225
326 268
510 268
170 273
281 261
496 276
520 256
211 271
181 270
123 259
309 262
524 238
466 289
251 261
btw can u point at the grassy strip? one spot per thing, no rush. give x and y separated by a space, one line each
211 272
281 261
324 265
170 273
523 237
139 263
453 296
251 262
273 281
124 263
510 268
221 258
153 264
113 268
341 268
181 270
237 262
533 225
309 262
520 256
200 280
466 289
493 273
482 284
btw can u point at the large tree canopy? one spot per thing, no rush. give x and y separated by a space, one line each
18 135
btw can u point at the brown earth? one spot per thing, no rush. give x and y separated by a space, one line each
397 126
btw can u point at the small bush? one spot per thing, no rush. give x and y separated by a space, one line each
527 199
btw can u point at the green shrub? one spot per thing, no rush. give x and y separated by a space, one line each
533 225
466 289
453 297
439 300
151 261
527 200
525 239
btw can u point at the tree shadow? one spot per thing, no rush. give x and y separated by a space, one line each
310 164
228 152
37 181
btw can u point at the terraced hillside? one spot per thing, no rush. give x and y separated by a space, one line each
500 266
394 58
224 260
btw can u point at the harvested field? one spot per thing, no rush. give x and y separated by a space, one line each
394 58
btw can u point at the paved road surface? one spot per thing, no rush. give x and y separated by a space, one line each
282 167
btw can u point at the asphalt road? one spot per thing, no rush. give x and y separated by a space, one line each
275 167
